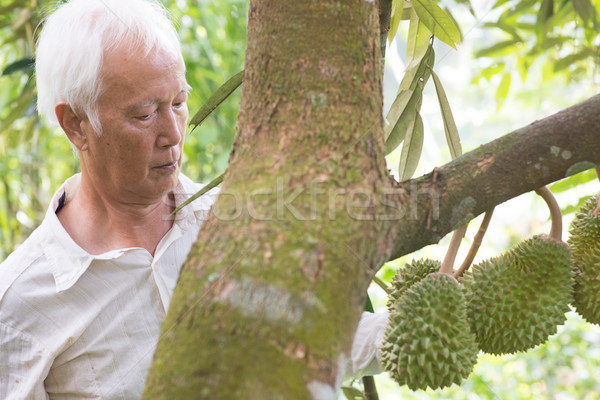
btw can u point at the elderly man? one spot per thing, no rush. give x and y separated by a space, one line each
82 300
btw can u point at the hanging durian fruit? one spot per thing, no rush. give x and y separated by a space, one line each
585 244
515 301
408 276
428 342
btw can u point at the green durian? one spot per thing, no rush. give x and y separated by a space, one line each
428 341
408 276
515 301
584 240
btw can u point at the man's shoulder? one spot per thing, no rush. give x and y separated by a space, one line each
27 254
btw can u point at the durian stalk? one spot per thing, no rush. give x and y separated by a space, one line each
477 240
448 262
555 214
381 284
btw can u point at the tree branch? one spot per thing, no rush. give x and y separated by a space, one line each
545 151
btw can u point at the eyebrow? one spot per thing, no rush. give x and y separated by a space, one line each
150 102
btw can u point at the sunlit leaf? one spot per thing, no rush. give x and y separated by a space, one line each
397 10
411 149
585 9
523 64
574 181
502 90
216 98
488 72
352 393
545 12
452 137
438 22
499 49
519 8
571 59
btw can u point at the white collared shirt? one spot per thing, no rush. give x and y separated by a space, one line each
76 325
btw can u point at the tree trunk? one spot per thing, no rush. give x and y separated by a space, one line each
270 296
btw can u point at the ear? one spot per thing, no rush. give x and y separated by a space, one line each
72 125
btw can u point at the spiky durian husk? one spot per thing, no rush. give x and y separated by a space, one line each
584 240
408 276
517 300
428 342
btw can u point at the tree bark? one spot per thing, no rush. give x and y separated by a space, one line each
269 299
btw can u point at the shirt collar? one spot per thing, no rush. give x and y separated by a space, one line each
68 261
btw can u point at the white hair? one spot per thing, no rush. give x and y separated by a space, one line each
76 37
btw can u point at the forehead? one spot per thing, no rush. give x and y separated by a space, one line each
132 74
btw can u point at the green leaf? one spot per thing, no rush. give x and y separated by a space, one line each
24 64
488 72
573 58
568 209
499 49
405 121
418 40
574 181
502 90
585 9
452 137
411 149
419 73
216 99
369 305
352 393
215 182
438 22
397 10
523 64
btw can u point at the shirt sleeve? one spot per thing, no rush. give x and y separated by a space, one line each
365 358
23 366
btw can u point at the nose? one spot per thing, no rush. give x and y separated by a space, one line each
172 129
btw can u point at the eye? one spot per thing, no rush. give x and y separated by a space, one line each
144 117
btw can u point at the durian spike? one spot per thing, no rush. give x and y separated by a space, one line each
448 262
477 240
555 214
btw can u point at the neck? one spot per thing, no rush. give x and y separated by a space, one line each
111 224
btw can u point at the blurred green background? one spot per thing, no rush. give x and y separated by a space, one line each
519 61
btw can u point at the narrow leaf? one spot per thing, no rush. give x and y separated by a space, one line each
397 10
573 58
452 137
405 121
502 90
585 9
352 393
420 72
498 49
411 149
438 22
215 182
216 99
24 64
418 40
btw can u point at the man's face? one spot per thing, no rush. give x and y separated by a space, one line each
143 114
